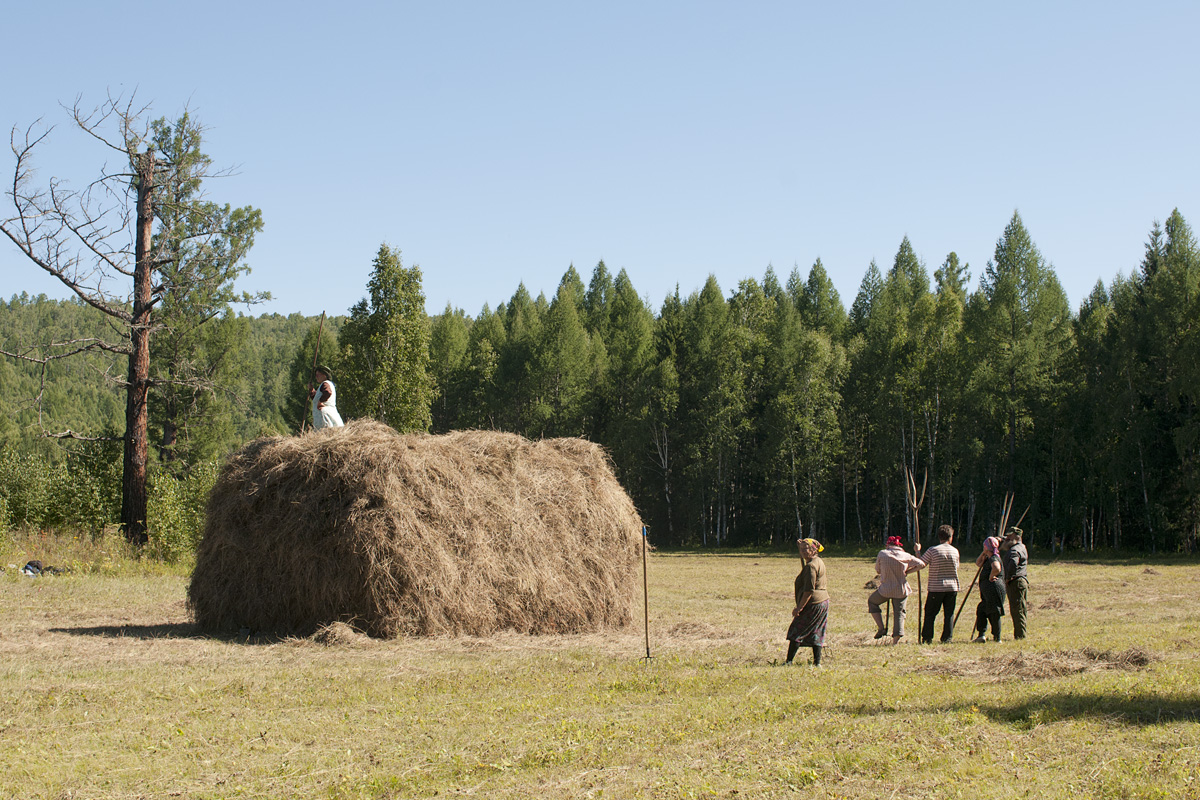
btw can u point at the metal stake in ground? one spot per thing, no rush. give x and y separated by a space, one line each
646 596
313 375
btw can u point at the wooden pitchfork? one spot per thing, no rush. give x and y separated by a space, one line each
1004 515
915 503
313 375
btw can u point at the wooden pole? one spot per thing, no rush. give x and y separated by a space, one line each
915 504
646 596
313 375
965 596
1005 511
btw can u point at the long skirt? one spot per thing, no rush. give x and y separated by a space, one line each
808 629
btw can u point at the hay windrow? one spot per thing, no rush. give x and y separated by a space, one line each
467 533
1033 665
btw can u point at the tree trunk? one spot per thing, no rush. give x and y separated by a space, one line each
133 486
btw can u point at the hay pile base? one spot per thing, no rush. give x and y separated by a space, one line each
467 533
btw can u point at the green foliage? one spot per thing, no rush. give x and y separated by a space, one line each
199 348
449 339
386 348
732 420
176 510
79 491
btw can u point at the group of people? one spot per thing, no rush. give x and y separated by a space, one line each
1002 575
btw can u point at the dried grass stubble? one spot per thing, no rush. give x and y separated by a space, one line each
467 533
1028 665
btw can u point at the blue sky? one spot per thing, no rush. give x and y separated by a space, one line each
495 143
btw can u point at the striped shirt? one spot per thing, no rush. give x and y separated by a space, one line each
943 567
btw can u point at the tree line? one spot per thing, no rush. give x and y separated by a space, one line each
744 419
753 418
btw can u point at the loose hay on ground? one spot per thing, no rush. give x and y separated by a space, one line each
338 634
1029 665
468 533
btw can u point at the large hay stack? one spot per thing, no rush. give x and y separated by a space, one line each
467 533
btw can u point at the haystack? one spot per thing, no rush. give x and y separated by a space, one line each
467 533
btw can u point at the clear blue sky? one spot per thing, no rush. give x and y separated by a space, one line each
495 143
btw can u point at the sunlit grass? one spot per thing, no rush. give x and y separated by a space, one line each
106 691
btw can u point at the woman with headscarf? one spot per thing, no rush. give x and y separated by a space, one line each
991 590
811 613
892 565
324 401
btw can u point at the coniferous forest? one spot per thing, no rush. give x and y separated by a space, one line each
737 416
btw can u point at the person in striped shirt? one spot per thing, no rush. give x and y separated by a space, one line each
943 585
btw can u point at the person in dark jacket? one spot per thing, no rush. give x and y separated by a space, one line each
1015 560
991 590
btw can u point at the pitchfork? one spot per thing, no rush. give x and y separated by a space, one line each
1005 511
915 503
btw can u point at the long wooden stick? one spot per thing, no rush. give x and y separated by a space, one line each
1005 511
313 375
965 596
915 504
646 595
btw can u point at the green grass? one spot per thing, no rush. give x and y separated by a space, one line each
106 692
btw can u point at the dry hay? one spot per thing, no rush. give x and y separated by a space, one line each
697 630
1056 604
1032 665
337 634
467 533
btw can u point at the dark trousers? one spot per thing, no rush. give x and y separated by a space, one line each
935 602
984 615
1018 591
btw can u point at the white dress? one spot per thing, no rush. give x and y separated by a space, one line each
327 416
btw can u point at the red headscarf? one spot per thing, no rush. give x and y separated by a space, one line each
895 541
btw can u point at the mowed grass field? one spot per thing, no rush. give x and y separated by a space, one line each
106 691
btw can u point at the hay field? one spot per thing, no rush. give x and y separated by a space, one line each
108 691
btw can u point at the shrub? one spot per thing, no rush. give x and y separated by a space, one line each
176 510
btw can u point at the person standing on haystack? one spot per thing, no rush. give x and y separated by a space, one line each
991 591
811 614
893 566
1015 559
943 585
324 401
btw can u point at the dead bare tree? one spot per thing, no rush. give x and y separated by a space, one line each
100 242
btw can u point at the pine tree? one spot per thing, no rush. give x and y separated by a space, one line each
386 348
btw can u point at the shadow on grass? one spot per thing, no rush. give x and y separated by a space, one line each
171 630
1140 710
1144 709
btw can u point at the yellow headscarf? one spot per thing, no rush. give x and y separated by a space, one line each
814 543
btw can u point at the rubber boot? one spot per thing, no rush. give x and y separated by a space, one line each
881 631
